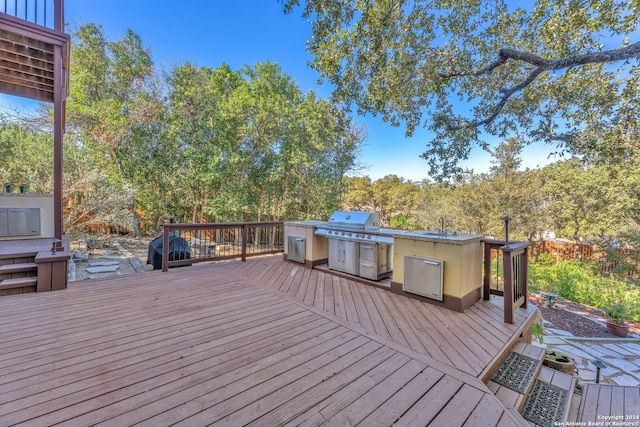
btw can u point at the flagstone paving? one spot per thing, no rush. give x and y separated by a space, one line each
621 355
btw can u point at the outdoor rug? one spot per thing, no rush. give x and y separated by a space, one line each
516 372
546 404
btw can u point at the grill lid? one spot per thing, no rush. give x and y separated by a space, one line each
354 220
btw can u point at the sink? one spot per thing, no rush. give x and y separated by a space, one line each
432 233
439 234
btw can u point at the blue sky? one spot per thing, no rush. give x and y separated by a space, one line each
210 32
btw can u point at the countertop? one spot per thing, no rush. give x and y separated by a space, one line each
421 235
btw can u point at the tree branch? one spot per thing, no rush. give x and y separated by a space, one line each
503 101
620 54
614 55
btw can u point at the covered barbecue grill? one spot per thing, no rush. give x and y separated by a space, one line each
178 250
357 244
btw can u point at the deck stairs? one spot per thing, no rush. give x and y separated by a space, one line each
18 273
539 395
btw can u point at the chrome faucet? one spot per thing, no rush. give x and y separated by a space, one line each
441 220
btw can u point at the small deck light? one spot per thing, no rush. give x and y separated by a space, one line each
506 220
599 364
54 243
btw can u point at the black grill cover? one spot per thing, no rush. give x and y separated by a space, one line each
178 250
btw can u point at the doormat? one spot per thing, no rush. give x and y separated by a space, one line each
516 372
546 404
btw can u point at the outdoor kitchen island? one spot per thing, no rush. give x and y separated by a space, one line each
438 267
445 268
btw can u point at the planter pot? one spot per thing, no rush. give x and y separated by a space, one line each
9 188
559 362
566 367
24 188
617 329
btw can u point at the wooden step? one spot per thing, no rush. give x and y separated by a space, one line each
19 282
25 267
565 382
511 398
18 255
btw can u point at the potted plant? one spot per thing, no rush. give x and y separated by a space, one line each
24 187
559 361
9 187
617 317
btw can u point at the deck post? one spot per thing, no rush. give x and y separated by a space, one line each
524 276
507 268
58 135
486 277
165 248
515 263
245 234
58 15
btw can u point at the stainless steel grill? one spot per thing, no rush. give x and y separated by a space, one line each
354 226
357 244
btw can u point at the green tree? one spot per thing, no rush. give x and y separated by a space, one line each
590 202
114 110
393 196
437 200
358 193
200 132
27 156
564 72
254 147
390 197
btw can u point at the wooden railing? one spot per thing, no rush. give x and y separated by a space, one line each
507 277
46 13
185 244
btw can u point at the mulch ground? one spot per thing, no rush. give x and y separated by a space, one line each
579 319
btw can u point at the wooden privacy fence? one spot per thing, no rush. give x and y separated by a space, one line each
620 261
192 243
564 251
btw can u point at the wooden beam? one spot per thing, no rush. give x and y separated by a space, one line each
58 132
28 79
22 40
27 69
23 60
25 51
26 92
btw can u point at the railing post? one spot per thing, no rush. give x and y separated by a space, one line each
245 234
486 278
165 248
524 275
58 15
507 267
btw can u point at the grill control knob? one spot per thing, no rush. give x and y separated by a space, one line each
369 236
349 234
343 233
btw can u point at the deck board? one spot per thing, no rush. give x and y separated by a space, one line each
467 341
600 401
261 342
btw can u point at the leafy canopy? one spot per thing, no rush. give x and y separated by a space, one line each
561 71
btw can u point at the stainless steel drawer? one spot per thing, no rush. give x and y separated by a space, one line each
19 221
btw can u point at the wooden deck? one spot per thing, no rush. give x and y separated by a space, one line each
467 341
261 342
10 247
604 403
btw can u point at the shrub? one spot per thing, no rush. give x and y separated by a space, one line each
582 282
